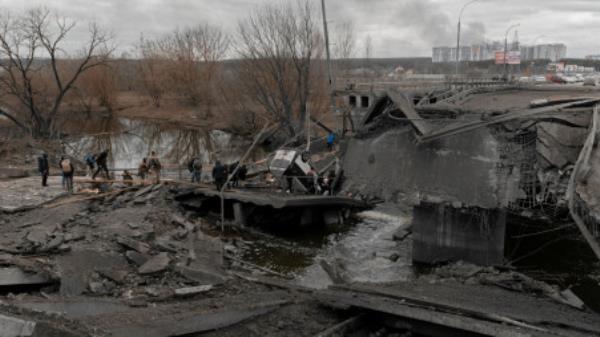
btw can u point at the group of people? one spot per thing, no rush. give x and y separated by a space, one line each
66 168
149 167
220 172
96 164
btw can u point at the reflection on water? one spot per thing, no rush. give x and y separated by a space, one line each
131 140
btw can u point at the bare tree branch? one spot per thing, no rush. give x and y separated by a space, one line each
26 41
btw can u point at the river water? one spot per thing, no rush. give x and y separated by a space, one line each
363 250
129 141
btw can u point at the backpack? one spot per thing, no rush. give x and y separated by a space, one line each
89 159
66 166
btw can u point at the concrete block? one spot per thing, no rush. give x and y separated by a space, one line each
156 264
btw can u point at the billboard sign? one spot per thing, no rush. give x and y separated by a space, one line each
512 57
499 57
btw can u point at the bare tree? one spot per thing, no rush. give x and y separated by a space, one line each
277 44
344 40
37 72
100 85
189 58
153 71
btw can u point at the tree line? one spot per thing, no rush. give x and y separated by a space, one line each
279 72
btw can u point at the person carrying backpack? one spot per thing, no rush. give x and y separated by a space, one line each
44 168
67 171
154 167
195 167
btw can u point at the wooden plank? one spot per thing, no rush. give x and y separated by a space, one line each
281 200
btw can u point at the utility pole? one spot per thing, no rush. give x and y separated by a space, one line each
506 49
327 51
458 33
307 128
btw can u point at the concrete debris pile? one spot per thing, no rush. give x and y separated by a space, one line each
134 263
469 166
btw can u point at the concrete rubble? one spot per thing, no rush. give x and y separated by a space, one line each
153 260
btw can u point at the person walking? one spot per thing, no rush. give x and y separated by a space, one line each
219 174
154 167
44 168
143 169
101 162
330 141
196 166
90 162
67 171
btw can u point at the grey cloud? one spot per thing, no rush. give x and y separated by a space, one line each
397 27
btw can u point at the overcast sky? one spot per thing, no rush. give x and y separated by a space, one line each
398 28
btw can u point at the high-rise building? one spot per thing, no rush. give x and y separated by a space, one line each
552 52
487 51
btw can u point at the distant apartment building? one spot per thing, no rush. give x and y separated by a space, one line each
476 52
595 57
552 52
487 51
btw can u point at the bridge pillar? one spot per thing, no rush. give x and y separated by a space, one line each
240 214
444 233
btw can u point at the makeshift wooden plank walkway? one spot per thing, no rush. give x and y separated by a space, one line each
280 200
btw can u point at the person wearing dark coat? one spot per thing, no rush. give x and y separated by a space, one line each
101 162
219 174
44 168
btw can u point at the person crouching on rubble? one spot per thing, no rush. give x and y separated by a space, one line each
154 167
44 168
219 174
67 172
143 169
